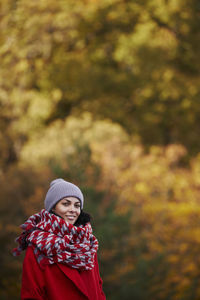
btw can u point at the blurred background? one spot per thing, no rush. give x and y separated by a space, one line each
106 94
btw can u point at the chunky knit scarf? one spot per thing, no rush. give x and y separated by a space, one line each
56 241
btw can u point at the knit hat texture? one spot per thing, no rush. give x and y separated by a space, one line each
59 189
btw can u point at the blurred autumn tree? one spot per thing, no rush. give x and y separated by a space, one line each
131 63
135 62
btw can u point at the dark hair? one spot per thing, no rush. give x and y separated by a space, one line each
83 218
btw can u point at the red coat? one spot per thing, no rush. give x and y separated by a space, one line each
59 282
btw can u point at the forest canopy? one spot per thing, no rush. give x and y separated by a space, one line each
106 94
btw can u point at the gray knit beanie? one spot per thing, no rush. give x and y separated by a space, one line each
59 189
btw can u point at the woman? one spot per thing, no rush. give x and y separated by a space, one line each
61 251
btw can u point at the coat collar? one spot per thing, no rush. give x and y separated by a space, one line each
75 277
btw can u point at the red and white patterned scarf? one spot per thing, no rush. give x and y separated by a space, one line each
56 241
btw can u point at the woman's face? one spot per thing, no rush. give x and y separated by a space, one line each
69 209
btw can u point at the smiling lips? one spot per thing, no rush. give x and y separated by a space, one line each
70 217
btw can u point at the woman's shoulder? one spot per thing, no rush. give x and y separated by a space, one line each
30 257
29 252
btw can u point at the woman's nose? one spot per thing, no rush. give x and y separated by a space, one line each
72 208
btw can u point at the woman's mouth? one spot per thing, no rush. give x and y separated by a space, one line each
71 218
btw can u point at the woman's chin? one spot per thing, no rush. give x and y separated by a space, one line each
71 221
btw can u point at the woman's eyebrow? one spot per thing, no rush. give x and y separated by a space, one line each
68 200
